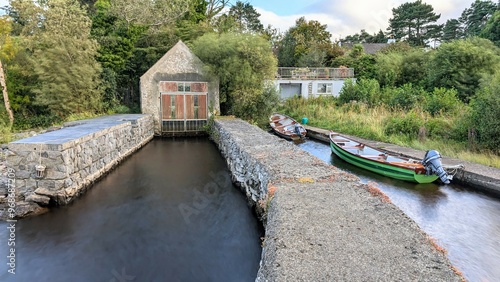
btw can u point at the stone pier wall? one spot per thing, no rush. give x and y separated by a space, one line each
322 224
74 157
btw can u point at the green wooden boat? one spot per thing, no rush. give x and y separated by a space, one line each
378 161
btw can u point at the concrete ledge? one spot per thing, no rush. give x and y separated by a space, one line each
479 177
323 224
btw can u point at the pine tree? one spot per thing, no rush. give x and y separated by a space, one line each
452 30
246 17
414 22
492 29
475 18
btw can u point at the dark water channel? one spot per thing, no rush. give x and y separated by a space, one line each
464 222
167 213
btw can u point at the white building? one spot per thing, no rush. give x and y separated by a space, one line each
311 82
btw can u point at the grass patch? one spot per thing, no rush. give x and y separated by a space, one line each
414 128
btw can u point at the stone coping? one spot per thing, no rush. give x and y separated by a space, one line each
76 131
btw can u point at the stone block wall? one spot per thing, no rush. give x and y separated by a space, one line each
258 161
71 166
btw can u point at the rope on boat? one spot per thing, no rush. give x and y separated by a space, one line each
451 170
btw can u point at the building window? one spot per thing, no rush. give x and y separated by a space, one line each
172 107
184 87
196 106
325 88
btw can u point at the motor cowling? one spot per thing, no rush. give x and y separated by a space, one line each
298 131
432 163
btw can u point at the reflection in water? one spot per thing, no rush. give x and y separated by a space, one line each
167 213
464 222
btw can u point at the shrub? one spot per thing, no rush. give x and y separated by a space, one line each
442 100
405 124
120 109
486 112
364 90
406 97
439 128
5 130
22 122
461 125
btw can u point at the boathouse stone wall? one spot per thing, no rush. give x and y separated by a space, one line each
71 164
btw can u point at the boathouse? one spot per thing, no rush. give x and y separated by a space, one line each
177 93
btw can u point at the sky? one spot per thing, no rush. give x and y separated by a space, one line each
342 17
345 17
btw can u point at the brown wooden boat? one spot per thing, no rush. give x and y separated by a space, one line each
286 127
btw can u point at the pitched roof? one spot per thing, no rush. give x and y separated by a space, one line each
179 59
370 48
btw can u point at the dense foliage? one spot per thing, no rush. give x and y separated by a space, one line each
243 63
67 57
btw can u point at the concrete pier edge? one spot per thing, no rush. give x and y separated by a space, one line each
324 224
476 176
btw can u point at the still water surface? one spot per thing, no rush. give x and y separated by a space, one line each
464 222
167 213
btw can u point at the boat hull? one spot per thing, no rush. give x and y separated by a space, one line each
382 168
284 126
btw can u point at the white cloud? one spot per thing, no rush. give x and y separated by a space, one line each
283 23
349 17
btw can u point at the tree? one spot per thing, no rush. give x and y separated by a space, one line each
194 23
414 22
380 37
460 64
272 35
286 51
214 7
475 18
402 66
491 30
362 63
365 37
149 13
117 40
246 17
243 63
64 59
485 112
7 51
452 30
302 38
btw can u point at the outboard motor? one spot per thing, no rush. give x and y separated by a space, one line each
432 163
297 131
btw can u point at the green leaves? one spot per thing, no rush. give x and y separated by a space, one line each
461 64
64 61
486 112
243 63
414 22
304 39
